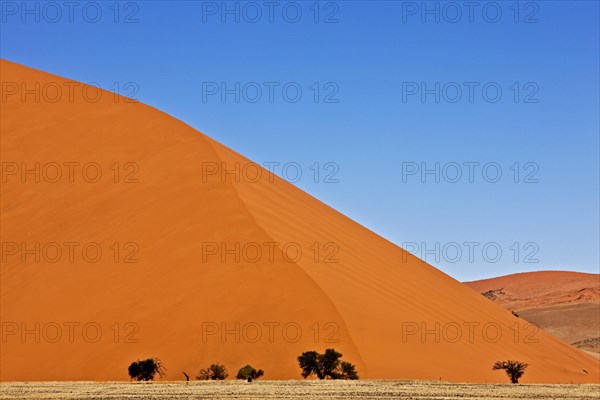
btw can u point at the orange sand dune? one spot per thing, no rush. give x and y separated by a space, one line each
540 289
219 268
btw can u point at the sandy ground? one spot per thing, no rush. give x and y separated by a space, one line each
293 390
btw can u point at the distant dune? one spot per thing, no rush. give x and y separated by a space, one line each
540 289
124 236
565 304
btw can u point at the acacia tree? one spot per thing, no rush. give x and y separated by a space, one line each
214 372
348 371
514 369
145 370
326 365
329 363
249 373
309 362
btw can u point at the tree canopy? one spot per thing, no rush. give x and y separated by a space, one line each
145 370
514 369
249 373
326 366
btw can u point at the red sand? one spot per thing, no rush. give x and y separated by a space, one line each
372 296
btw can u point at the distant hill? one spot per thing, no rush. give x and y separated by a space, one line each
565 304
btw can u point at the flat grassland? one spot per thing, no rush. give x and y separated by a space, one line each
301 390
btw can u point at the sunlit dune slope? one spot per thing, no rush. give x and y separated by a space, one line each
145 247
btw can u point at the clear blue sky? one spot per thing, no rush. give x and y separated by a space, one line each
369 61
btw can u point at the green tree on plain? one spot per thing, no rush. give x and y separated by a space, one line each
514 369
249 373
145 370
326 366
213 372
348 371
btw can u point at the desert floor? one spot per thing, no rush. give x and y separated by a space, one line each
292 390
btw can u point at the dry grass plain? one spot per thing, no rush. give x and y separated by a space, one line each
291 390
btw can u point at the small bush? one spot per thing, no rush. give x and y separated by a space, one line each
145 370
514 369
214 372
249 373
